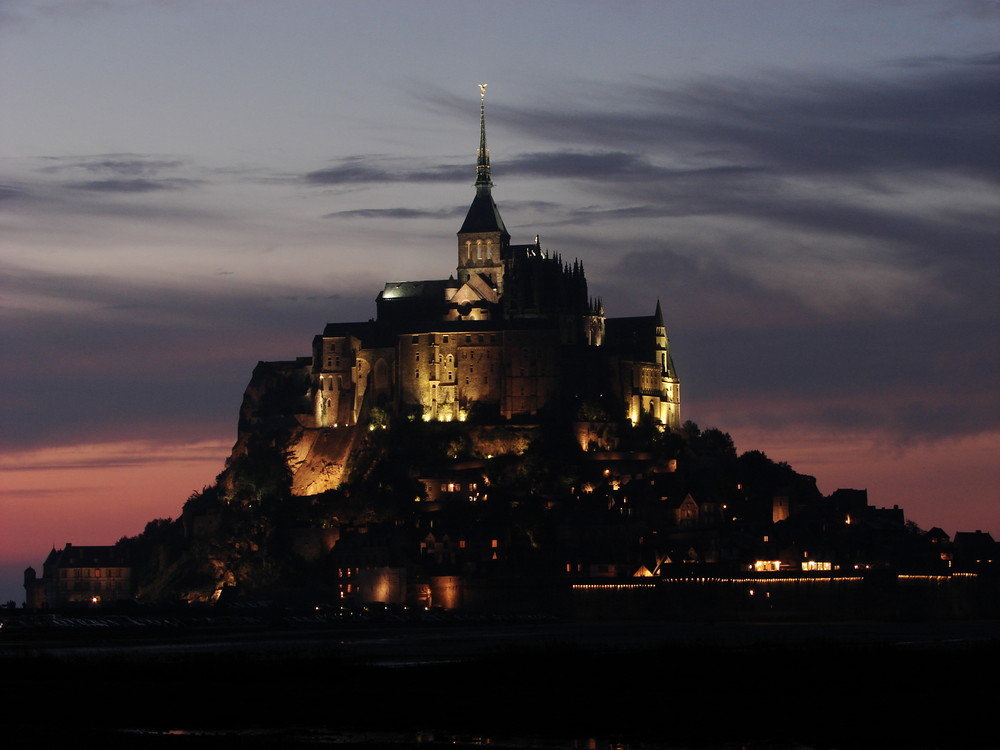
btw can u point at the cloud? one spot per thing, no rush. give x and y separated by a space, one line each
8 192
382 169
939 116
106 357
121 173
107 455
131 186
123 165
396 213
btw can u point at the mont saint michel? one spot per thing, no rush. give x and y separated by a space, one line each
494 441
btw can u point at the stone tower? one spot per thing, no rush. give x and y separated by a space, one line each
483 240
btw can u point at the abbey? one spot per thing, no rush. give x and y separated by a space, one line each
511 334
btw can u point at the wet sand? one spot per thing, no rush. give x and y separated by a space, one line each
523 684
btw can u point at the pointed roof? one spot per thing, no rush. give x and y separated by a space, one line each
483 215
483 179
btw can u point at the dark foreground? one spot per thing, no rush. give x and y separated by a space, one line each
528 684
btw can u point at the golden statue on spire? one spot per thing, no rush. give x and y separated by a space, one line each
482 89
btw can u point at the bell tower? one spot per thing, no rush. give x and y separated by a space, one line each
483 240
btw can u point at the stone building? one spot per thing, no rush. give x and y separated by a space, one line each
512 334
506 331
80 576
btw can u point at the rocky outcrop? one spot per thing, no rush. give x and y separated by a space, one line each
318 458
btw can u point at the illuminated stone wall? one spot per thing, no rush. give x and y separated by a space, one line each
446 373
479 253
336 396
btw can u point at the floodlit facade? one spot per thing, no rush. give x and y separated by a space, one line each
511 333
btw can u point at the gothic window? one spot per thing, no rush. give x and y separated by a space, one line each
489 249
468 249
416 374
479 249
416 357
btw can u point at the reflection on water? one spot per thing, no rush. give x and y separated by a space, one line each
286 738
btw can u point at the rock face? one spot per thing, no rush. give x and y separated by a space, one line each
318 458
276 413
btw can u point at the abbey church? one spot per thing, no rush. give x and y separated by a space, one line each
470 447
513 333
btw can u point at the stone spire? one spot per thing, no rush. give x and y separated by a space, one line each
483 215
483 181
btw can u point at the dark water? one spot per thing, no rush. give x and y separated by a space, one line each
585 686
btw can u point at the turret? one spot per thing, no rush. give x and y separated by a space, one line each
670 384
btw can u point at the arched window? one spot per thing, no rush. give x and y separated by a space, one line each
489 249
479 249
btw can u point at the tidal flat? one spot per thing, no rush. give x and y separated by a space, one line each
551 684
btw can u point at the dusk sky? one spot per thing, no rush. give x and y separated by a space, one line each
189 186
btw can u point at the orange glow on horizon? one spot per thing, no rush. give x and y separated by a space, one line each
96 493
